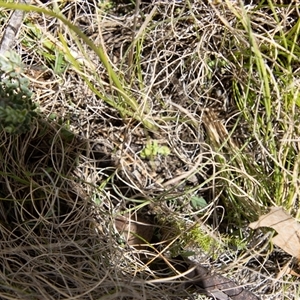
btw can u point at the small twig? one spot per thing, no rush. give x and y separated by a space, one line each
12 29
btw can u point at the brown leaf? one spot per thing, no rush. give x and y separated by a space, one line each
216 285
287 228
135 229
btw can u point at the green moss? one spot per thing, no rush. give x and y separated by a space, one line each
188 238
201 239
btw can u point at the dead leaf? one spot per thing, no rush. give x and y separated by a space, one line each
216 285
287 228
135 229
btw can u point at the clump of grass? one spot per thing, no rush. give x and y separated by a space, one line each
124 102
272 105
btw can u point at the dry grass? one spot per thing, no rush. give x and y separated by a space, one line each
196 79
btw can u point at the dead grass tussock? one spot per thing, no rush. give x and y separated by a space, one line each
50 248
192 73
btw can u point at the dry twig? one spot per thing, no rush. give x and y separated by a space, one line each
12 29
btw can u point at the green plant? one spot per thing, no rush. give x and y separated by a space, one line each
53 54
16 107
198 202
152 149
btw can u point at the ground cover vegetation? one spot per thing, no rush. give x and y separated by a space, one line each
139 140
